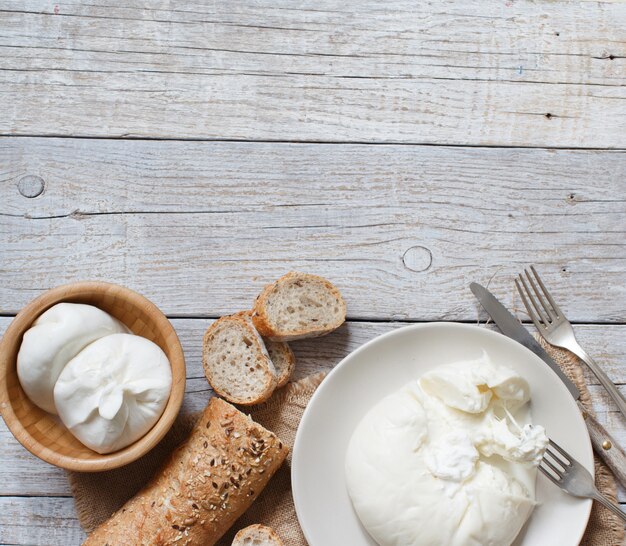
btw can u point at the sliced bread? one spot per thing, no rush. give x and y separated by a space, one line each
257 535
283 359
236 362
280 353
298 305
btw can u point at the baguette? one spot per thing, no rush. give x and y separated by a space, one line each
257 535
236 362
205 485
296 306
280 354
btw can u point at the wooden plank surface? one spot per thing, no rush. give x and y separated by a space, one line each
401 229
26 475
485 72
49 521
35 495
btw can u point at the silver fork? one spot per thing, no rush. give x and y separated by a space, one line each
572 477
557 330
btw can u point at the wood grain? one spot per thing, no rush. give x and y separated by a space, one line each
26 475
39 520
482 72
201 227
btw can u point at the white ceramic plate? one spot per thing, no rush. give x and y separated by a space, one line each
382 366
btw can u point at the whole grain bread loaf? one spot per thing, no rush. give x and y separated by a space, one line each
205 485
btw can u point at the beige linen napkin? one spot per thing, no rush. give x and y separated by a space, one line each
98 495
604 527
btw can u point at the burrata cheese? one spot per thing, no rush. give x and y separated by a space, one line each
447 460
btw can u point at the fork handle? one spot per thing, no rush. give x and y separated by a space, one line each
607 503
617 396
605 446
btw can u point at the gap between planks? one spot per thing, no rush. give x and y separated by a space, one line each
305 142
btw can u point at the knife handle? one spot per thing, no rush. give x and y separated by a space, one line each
605 446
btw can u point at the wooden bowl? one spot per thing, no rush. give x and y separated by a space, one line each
42 433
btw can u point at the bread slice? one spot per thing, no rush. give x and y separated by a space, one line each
280 353
283 358
298 305
257 535
236 362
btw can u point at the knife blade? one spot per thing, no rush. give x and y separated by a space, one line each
512 328
603 443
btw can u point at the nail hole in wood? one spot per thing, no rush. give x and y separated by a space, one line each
417 258
31 186
549 115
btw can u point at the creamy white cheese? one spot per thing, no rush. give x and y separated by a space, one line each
447 460
113 391
56 337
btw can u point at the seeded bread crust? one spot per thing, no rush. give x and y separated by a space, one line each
259 362
266 324
257 535
206 484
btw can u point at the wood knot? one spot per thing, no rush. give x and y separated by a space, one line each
31 186
417 258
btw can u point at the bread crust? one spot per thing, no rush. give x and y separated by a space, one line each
264 359
282 378
264 325
285 375
204 486
257 530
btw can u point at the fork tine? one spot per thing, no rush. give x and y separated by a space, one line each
568 458
543 302
564 465
534 317
558 473
538 310
550 476
556 308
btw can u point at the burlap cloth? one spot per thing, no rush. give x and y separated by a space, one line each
100 494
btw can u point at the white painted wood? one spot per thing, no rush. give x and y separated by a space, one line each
479 72
45 521
23 474
200 227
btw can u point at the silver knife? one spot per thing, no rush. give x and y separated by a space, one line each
604 445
